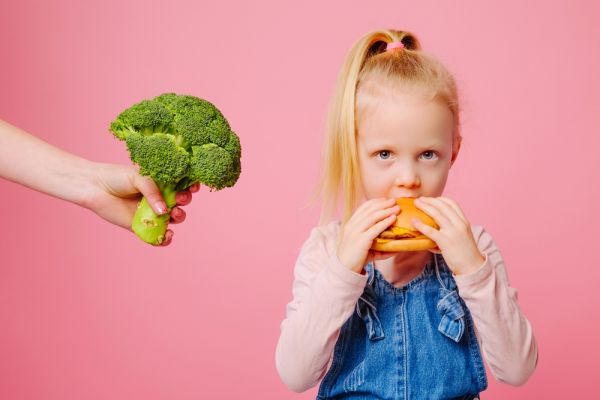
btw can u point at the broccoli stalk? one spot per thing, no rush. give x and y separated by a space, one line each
177 140
149 227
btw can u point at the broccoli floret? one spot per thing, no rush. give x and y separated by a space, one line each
177 140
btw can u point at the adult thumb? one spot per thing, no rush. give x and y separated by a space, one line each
149 189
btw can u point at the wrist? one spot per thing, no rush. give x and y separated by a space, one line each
89 183
358 268
348 265
67 177
472 266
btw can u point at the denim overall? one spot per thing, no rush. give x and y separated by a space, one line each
413 342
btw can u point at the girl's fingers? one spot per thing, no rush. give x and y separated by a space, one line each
426 230
433 209
379 204
374 204
435 250
369 206
448 211
177 215
454 205
360 213
380 226
377 216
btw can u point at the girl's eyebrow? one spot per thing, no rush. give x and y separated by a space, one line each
387 145
433 145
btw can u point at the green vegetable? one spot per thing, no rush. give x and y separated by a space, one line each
177 140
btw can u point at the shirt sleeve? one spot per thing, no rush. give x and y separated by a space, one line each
505 335
324 296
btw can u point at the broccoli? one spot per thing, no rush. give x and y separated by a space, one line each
177 140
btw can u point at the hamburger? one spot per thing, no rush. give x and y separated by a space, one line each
402 235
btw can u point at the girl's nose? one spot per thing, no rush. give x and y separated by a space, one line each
407 176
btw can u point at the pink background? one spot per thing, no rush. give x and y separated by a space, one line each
89 311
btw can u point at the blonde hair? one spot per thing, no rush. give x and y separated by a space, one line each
367 61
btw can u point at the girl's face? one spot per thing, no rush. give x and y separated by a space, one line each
404 146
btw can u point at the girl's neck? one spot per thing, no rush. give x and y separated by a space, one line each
403 267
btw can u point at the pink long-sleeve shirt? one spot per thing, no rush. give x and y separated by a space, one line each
325 293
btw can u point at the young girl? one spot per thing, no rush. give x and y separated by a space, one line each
406 325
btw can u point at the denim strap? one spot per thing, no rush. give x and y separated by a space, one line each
453 314
366 307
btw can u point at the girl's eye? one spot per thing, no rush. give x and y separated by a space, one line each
429 154
384 154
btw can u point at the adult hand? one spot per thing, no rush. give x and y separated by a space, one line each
115 191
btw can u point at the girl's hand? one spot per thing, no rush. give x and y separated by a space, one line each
356 237
454 238
115 191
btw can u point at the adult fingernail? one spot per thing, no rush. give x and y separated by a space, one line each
161 206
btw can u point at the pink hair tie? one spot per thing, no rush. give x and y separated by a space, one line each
394 45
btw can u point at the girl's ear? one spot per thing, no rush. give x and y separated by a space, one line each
455 149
